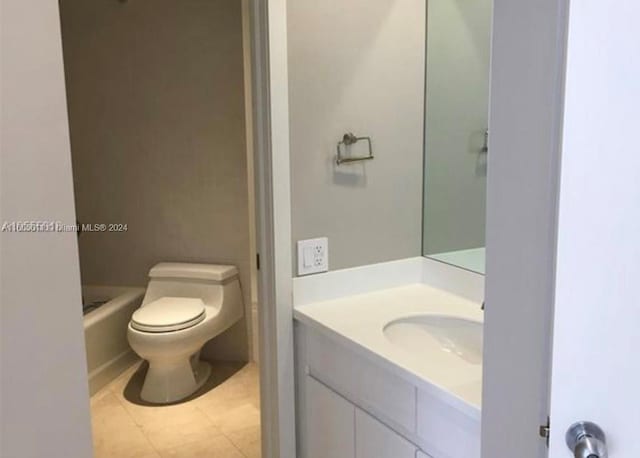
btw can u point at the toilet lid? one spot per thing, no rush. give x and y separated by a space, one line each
168 314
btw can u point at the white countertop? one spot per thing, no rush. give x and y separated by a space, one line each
358 321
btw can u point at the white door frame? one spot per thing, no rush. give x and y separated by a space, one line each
273 216
527 93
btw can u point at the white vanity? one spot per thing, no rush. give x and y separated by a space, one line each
393 373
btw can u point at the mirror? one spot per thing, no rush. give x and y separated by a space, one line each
456 131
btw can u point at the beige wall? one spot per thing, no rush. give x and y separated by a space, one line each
357 66
156 101
44 394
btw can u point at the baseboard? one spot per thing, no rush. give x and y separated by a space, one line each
109 371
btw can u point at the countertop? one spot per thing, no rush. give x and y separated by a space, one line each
358 322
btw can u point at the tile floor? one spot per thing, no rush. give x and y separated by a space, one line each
222 420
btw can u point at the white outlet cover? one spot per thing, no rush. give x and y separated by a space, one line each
313 256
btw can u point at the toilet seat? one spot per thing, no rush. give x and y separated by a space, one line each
168 314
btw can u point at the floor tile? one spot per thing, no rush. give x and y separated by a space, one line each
217 447
247 440
230 408
222 419
172 434
114 432
235 419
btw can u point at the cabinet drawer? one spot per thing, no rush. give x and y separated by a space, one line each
445 431
329 423
378 391
375 440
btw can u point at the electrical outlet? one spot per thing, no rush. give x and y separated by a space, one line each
313 256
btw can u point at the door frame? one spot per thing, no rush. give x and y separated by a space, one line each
273 218
528 63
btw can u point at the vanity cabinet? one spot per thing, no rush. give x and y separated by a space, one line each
350 406
330 423
375 440
336 428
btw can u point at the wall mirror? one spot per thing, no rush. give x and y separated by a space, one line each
456 131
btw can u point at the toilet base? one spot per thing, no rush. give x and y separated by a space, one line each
170 381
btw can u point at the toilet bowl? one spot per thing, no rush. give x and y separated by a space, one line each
185 306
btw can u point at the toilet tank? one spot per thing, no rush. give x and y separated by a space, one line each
217 285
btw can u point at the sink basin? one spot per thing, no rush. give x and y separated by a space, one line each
458 337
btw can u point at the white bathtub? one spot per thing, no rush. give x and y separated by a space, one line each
105 332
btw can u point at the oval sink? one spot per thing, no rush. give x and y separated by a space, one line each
460 337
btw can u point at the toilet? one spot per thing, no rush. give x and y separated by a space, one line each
185 306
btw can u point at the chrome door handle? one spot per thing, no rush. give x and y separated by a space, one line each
586 440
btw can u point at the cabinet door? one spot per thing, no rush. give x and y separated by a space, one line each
375 440
329 423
